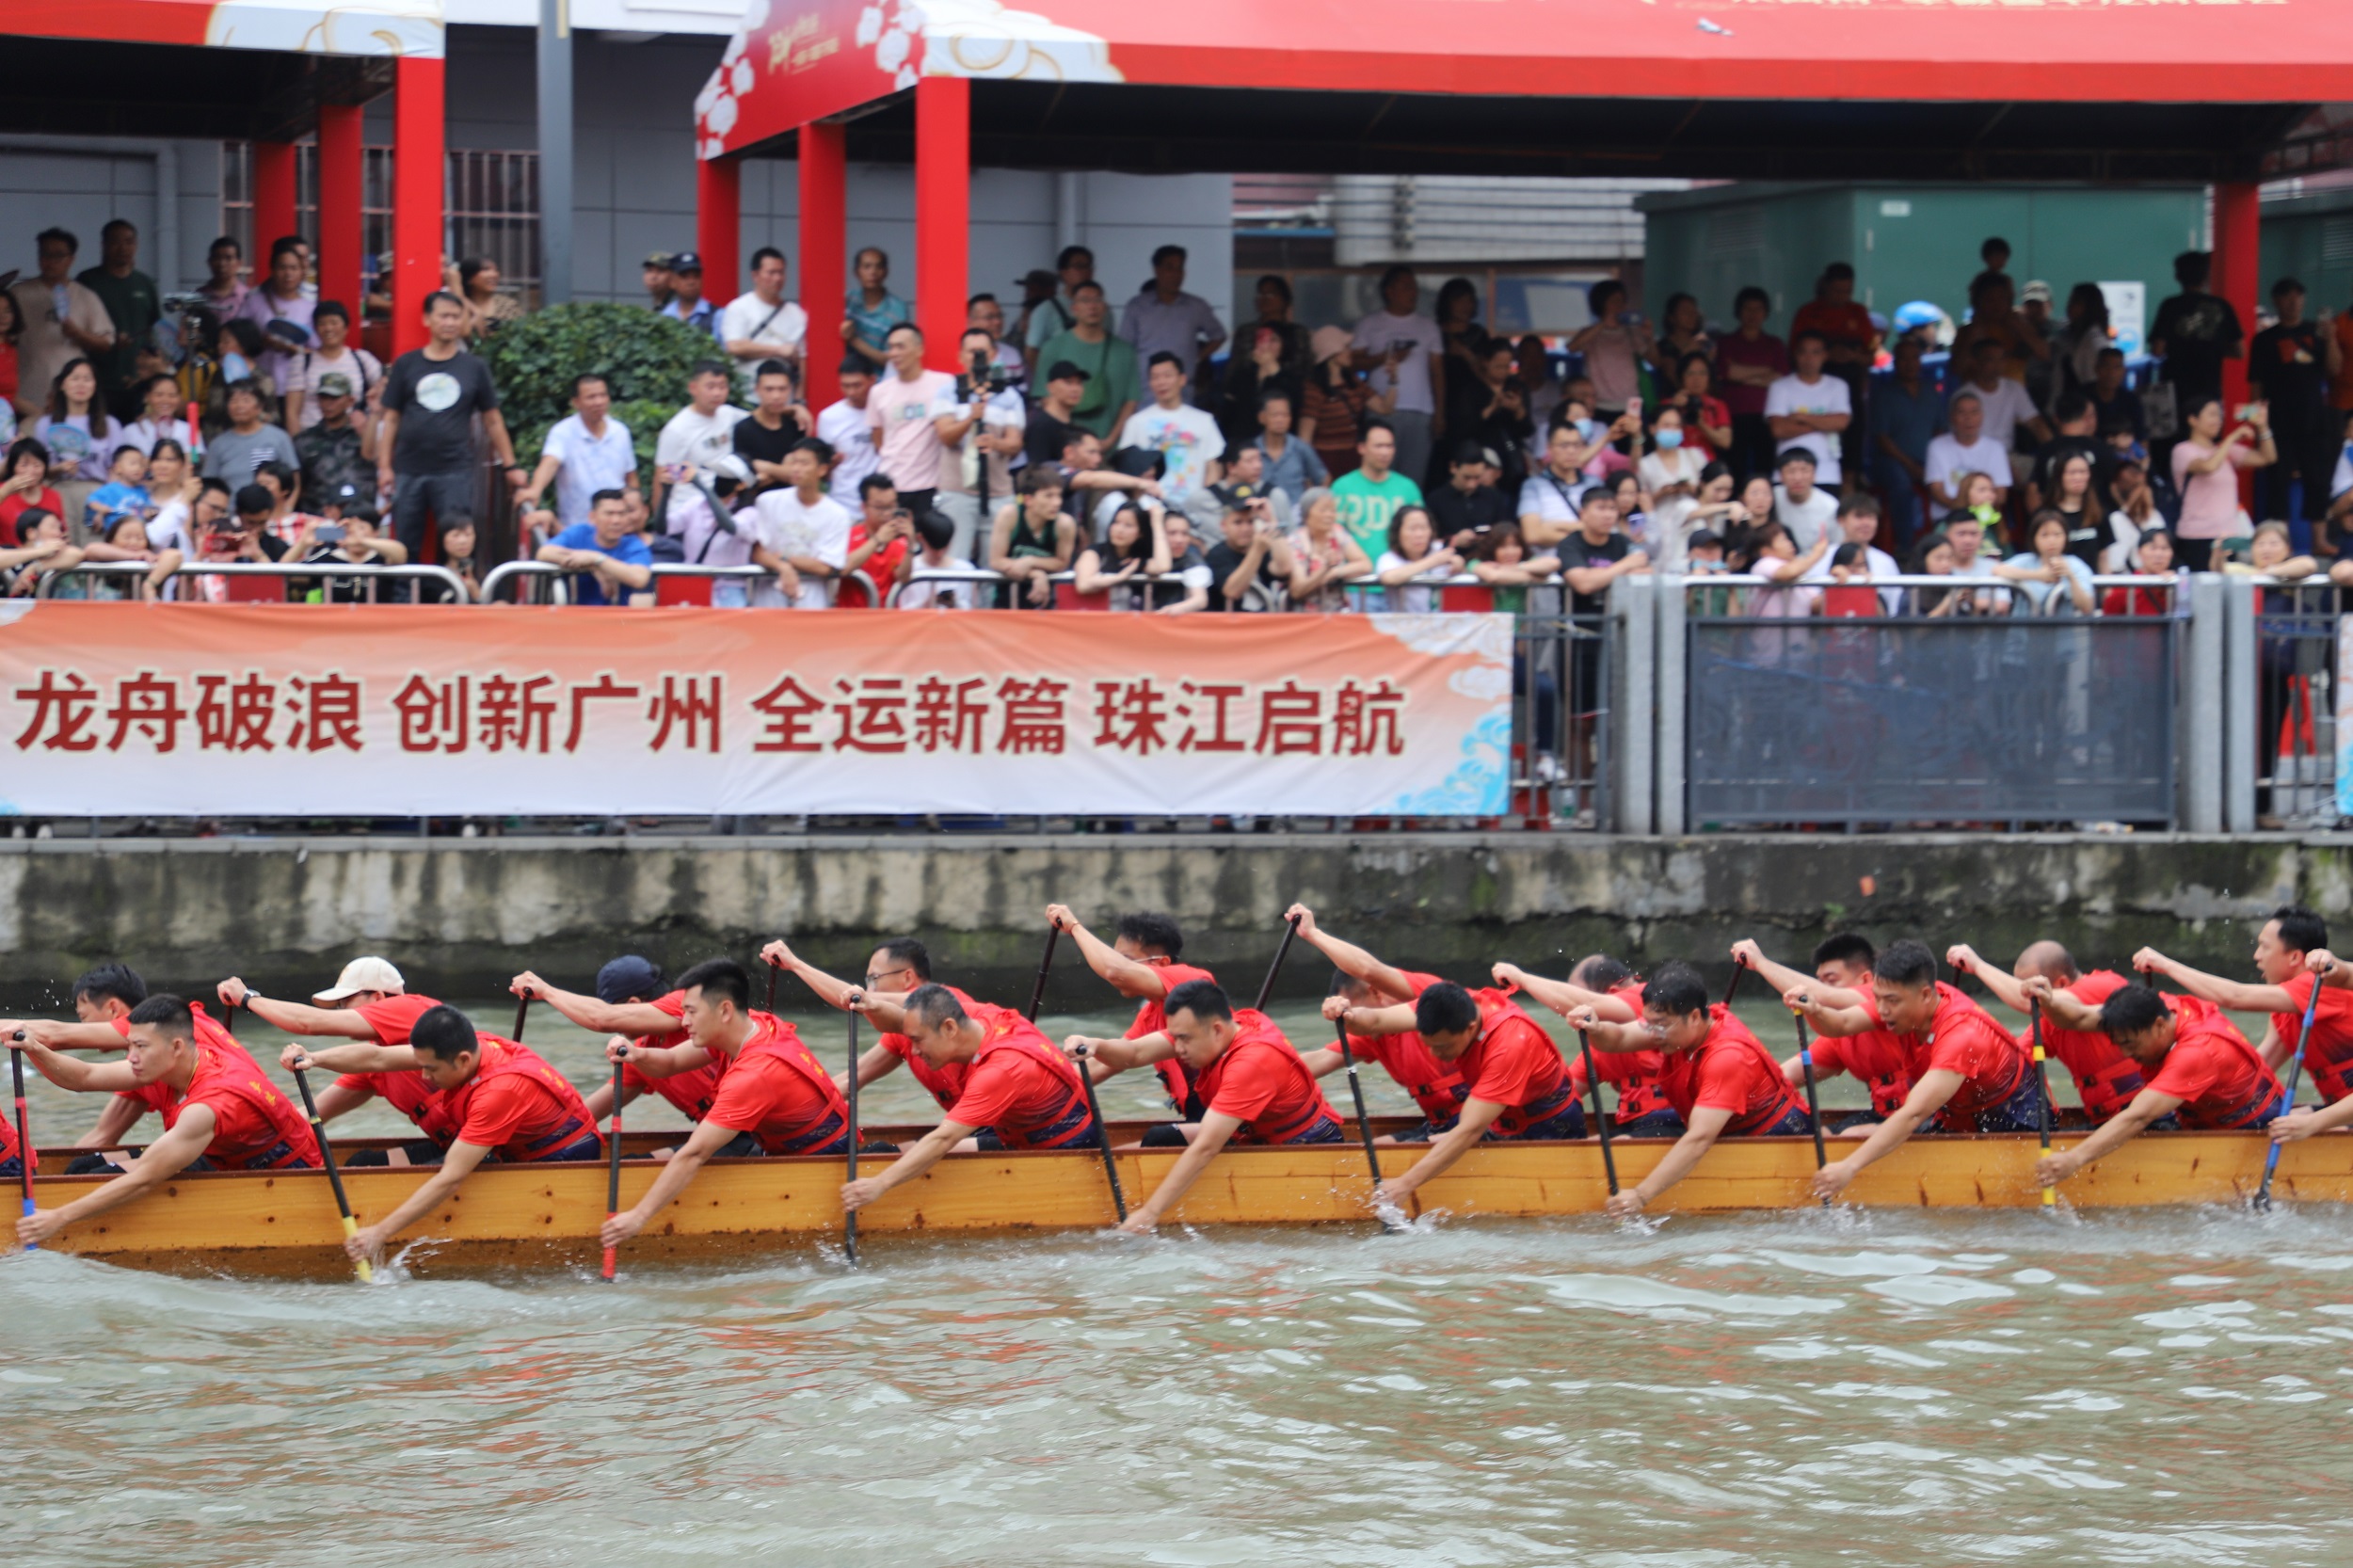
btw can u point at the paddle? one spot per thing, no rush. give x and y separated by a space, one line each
2295 1071
2042 1088
522 1011
334 1176
1364 1120
613 1167
1086 1080
23 1138
849 1220
771 1005
1739 971
1601 1122
1290 929
1813 1105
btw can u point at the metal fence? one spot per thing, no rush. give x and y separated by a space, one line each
2294 674
375 584
1915 718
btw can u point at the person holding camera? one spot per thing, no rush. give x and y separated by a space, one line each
983 432
1251 565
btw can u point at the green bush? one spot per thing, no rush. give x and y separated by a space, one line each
644 356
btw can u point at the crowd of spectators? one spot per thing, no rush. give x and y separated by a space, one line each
1085 454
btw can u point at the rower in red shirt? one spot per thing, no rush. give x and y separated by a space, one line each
1366 983
501 1098
894 971
1142 963
1611 988
2200 1070
369 1001
770 1085
637 1006
1964 1063
2105 1077
1253 1086
103 1000
1516 1086
220 1111
2287 939
1876 1058
1721 1079
1014 1083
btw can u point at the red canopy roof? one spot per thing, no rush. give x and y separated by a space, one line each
799 60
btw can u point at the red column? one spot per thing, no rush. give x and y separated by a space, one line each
2237 269
342 228
824 244
943 212
419 157
273 200
719 225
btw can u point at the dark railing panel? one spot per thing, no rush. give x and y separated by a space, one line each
1920 721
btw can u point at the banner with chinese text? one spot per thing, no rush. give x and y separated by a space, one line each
129 709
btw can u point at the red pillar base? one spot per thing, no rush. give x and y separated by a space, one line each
825 242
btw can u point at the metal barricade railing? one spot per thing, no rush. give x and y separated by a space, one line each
1899 702
369 574
2294 676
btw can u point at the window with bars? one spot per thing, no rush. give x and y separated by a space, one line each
490 208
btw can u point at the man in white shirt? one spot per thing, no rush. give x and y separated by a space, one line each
697 435
1809 409
1164 319
763 324
801 533
586 451
1964 449
842 426
1859 523
2007 404
1406 354
1187 438
1551 500
1799 504
976 471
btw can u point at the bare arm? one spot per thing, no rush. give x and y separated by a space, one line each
1350 959
2112 1135
708 1139
1125 975
914 1162
628 1018
2228 994
297 1018
165 1157
1707 1124
1926 1098
1476 1117
1562 997
457 1165
1781 977
1216 1128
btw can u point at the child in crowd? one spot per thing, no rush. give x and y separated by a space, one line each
123 495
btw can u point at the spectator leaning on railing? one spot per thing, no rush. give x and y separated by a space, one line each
801 533
611 561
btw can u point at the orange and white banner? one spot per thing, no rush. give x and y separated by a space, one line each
129 709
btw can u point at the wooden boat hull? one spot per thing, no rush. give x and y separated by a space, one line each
282 1221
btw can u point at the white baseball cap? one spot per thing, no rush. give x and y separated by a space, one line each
364 974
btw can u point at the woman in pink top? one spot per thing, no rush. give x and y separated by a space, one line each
2205 473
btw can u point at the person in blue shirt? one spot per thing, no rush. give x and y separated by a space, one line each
870 309
1907 413
124 494
687 303
611 561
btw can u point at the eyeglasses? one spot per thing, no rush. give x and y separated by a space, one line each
874 979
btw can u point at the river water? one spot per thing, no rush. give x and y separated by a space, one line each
1882 1387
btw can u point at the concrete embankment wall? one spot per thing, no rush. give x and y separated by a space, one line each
460 916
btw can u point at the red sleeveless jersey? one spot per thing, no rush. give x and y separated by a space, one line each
1963 1038
517 1104
1018 1084
776 1090
254 1127
1259 1080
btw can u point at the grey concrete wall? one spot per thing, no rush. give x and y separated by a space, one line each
461 915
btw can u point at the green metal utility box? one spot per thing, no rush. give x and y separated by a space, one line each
1916 242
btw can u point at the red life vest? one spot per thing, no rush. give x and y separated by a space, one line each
504 1058
776 1040
412 1097
1152 1019
1770 1098
2328 1054
2258 1096
1296 1115
2105 1077
1058 1122
254 1127
1504 1027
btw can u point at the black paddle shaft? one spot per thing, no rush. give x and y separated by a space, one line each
849 1221
24 1135
612 1155
1740 972
1601 1122
318 1130
522 1011
1290 929
1813 1102
1045 965
1357 1089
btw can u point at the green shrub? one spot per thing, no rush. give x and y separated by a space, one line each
644 356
